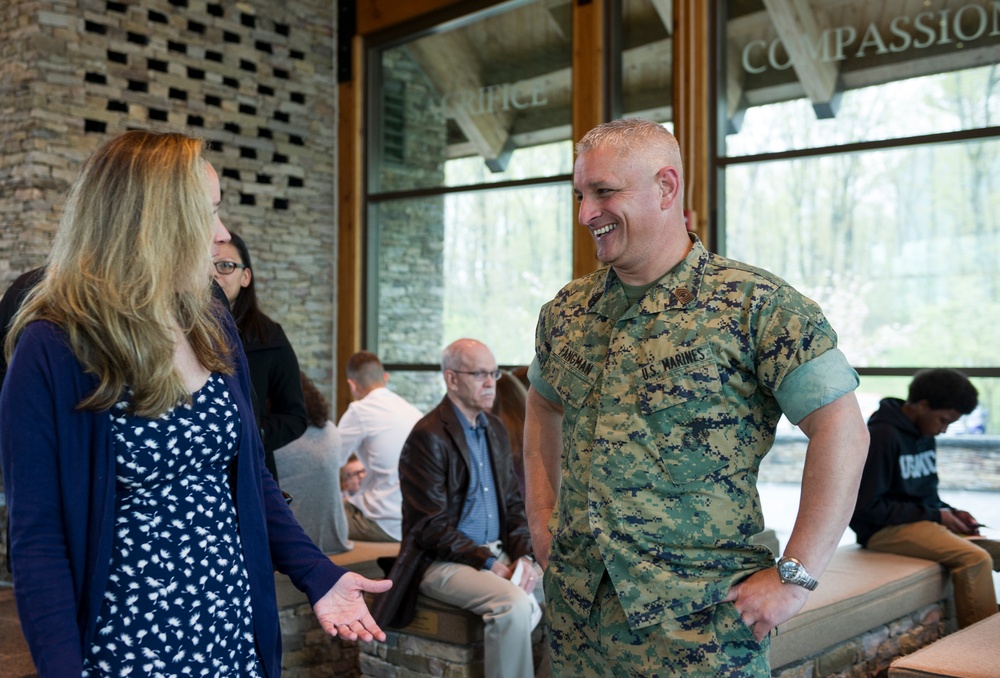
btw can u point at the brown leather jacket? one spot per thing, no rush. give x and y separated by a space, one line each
434 478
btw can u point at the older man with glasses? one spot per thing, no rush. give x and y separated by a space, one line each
463 512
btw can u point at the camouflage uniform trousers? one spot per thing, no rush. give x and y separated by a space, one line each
705 644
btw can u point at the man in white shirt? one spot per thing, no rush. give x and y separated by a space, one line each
374 428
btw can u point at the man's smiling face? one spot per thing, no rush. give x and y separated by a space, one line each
621 205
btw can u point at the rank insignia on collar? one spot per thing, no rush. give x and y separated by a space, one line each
684 295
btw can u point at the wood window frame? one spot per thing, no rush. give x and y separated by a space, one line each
591 106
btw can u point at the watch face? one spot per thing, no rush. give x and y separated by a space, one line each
788 570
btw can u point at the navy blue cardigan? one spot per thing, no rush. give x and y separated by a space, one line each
59 476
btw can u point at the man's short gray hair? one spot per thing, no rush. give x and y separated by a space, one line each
452 355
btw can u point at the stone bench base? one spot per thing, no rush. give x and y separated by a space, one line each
417 656
973 652
868 654
307 650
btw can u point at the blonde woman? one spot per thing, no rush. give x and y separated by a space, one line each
129 447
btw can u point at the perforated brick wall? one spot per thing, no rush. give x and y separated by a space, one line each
256 78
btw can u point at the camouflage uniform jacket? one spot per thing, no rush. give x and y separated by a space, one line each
668 411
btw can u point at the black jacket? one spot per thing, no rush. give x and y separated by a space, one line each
279 403
434 477
11 303
900 481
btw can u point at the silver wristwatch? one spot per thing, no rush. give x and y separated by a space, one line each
792 571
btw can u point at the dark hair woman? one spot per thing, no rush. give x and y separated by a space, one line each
274 369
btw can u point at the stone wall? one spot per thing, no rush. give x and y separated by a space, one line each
410 232
33 172
869 654
255 78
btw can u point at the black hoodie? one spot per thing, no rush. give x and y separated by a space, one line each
900 480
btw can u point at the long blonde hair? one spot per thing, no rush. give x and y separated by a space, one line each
131 263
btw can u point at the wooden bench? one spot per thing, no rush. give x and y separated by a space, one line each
858 614
363 558
442 640
973 652
864 597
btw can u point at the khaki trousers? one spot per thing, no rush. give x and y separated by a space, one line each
969 560
506 610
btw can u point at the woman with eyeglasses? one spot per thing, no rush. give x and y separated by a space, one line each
274 369
144 530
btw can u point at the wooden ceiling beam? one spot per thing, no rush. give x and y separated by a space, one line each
736 99
799 25
665 8
447 61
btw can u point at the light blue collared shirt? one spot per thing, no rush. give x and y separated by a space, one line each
480 520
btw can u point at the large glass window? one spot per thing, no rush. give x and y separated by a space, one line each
859 151
842 71
470 213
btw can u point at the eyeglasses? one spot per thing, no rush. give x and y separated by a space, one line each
227 267
481 375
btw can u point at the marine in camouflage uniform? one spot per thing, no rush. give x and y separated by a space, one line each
669 405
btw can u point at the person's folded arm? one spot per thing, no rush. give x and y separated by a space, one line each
284 418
